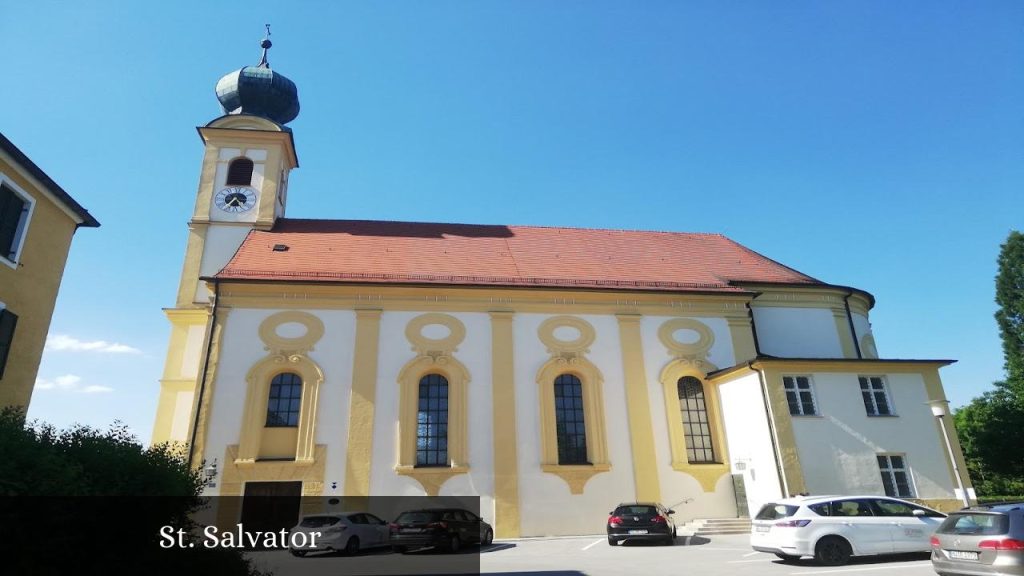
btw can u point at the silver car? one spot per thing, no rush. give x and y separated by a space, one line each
347 532
981 541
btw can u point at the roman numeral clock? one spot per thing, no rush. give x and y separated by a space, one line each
235 199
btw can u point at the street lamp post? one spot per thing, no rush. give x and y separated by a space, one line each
939 411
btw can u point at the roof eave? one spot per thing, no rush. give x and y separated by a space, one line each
85 219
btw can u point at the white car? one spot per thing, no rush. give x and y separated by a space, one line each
834 528
346 532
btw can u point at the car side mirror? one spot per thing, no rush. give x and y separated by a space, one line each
919 512
671 511
611 513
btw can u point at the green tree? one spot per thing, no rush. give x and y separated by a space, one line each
991 427
991 431
1010 316
86 501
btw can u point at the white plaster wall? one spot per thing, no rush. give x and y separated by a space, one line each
837 449
797 332
547 506
334 354
221 244
749 438
862 326
475 353
241 348
676 487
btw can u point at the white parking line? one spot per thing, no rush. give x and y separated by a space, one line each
840 570
588 546
751 554
747 561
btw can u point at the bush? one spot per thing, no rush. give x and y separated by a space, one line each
100 499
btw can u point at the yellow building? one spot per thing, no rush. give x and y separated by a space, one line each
37 221
551 372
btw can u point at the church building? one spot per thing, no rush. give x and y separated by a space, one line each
552 372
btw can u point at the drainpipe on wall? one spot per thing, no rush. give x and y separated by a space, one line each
202 378
753 326
849 318
772 434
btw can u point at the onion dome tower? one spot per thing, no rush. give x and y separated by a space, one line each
259 91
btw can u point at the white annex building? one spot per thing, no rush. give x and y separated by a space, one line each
553 372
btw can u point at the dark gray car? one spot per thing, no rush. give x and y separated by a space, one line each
981 541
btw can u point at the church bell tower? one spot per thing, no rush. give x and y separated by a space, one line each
243 185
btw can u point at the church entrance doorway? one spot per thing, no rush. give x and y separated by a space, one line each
271 506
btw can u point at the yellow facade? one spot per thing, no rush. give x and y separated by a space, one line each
29 286
291 454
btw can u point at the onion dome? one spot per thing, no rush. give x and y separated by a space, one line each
259 91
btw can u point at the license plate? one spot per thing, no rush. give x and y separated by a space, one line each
762 528
411 530
638 531
959 555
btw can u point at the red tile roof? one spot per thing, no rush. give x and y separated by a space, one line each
468 254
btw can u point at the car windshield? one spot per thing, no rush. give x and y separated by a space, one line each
975 523
636 510
776 511
318 521
416 517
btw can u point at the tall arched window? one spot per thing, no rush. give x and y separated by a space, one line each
696 428
240 172
432 422
284 400
570 425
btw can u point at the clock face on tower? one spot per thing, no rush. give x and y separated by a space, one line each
235 199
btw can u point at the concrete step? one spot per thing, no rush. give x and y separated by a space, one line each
716 526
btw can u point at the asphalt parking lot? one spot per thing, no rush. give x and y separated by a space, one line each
592 556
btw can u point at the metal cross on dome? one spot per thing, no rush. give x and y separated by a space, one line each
265 44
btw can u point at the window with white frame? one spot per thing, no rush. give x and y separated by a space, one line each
875 396
895 475
15 209
8 320
800 395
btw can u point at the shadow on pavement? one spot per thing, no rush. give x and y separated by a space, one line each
680 541
863 560
497 547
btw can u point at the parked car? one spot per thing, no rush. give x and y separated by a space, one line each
981 540
834 528
445 528
346 532
641 521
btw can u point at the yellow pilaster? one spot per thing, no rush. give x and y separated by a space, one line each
503 395
784 434
742 335
359 455
933 388
638 407
201 402
175 378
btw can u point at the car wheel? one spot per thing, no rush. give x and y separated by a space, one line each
488 538
352 546
832 551
399 549
787 557
298 553
612 541
454 545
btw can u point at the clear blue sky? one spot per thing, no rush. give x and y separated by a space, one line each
872 144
